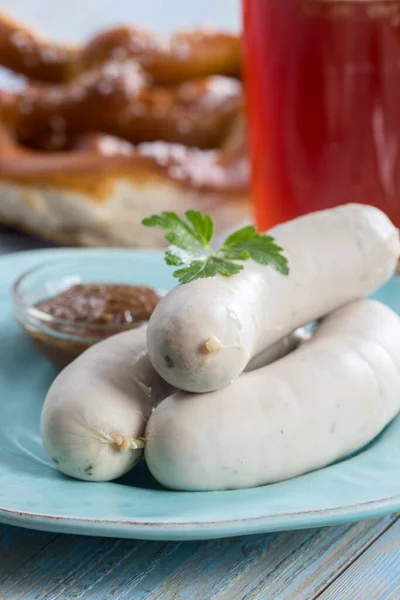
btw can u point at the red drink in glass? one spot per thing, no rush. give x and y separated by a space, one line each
323 94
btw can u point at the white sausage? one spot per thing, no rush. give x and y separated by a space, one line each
98 405
322 402
202 334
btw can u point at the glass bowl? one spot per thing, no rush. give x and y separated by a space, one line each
58 339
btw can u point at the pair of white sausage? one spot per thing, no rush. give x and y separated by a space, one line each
95 413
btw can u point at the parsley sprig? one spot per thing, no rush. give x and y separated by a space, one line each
190 247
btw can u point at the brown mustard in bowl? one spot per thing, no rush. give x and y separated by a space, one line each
65 307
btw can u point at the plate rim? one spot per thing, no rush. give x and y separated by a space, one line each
197 530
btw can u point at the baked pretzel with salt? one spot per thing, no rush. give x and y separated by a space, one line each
114 98
185 55
97 186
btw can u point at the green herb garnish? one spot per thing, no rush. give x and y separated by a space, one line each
190 247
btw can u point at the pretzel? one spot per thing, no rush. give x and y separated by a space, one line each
24 52
210 170
89 101
186 55
92 145
113 98
195 113
99 193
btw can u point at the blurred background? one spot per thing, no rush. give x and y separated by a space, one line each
76 20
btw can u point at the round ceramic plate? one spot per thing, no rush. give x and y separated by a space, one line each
34 494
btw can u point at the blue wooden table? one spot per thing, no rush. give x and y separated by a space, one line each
353 562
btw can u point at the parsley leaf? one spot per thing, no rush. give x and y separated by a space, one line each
208 267
248 243
190 247
203 225
179 234
176 256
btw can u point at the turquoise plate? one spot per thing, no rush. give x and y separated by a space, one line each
34 494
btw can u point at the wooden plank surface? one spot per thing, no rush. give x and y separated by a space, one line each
18 546
282 566
318 562
375 575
